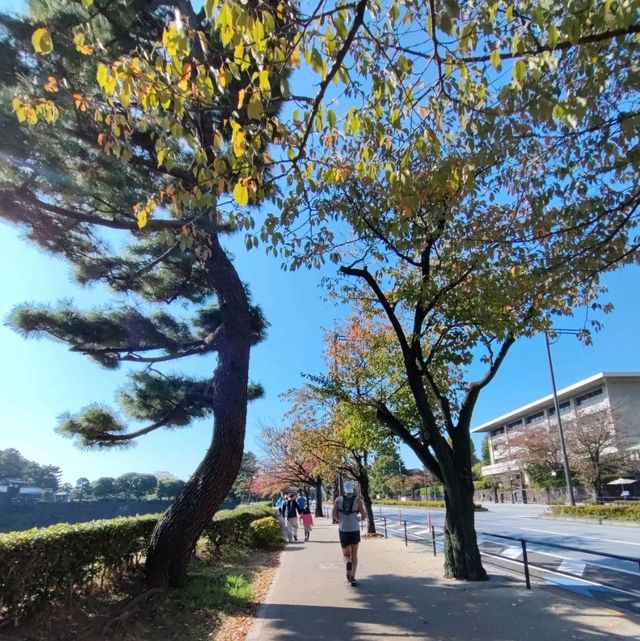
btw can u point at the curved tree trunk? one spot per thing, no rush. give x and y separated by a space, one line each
318 486
175 536
461 554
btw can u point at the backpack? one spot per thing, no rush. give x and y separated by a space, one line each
348 503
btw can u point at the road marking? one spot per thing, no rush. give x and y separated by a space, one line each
420 532
511 553
570 566
331 566
580 536
547 571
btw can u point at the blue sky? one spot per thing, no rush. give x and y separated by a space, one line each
41 379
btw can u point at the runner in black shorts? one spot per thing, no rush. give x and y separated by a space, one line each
346 510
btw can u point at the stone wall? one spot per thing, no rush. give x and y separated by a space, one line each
23 517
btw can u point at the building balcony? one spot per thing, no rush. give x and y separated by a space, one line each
501 467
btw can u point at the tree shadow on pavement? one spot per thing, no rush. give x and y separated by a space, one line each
390 607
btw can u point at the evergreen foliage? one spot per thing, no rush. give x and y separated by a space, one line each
85 171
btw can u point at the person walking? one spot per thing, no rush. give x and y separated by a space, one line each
307 522
290 511
301 500
346 509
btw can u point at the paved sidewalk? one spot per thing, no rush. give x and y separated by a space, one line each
402 595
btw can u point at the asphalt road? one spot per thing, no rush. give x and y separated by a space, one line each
584 571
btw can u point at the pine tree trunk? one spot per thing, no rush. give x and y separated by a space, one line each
318 486
462 556
175 536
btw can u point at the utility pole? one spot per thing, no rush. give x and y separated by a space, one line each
565 458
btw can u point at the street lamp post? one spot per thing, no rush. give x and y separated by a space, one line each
565 458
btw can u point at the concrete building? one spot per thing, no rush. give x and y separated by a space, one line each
618 391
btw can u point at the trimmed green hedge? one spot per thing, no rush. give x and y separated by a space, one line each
231 527
50 564
266 533
410 503
45 564
618 511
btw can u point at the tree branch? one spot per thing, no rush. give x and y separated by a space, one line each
337 63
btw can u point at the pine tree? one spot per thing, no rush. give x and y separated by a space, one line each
73 184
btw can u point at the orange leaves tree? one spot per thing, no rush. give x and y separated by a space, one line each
289 459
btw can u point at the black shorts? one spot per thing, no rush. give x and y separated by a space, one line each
349 538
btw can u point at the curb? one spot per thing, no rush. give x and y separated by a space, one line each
586 519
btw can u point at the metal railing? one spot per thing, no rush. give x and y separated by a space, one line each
525 562
399 525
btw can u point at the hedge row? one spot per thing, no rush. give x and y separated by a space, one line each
410 503
618 511
50 564
231 527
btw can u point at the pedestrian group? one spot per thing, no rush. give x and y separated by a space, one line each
346 510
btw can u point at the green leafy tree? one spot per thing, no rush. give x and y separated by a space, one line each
14 465
104 487
129 143
486 451
169 488
136 484
83 489
383 469
241 490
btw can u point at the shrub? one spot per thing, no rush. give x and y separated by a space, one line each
266 533
231 527
619 511
46 564
411 503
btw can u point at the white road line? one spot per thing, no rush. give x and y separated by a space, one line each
579 536
421 532
547 571
511 553
572 567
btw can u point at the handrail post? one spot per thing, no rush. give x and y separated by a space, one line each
433 539
526 563
406 542
385 526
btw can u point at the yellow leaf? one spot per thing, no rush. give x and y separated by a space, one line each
102 75
241 94
295 58
41 41
239 143
255 109
87 3
241 194
143 218
495 58
265 85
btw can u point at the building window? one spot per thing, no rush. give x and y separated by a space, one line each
498 432
564 408
517 423
535 418
587 397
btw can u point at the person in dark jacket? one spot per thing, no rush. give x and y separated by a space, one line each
290 511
